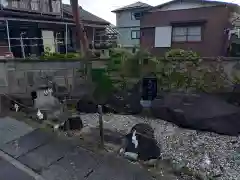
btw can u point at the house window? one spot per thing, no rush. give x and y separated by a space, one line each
45 6
187 34
136 15
35 4
4 3
135 34
15 3
56 6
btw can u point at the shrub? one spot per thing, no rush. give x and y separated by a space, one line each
185 70
181 54
104 85
178 70
48 55
212 76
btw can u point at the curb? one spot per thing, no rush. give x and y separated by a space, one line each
20 166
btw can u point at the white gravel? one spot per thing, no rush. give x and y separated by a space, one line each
213 154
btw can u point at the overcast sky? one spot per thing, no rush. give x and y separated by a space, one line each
103 8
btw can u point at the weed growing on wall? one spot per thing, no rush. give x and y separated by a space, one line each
48 55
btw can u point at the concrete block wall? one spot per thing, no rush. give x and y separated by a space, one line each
20 77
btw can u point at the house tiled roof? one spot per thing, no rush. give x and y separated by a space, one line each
133 6
200 1
85 15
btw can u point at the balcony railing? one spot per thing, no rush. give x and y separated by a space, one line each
41 6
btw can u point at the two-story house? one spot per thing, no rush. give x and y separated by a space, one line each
198 25
27 27
128 23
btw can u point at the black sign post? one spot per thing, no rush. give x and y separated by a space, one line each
149 90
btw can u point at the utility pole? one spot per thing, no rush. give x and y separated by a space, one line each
79 27
81 38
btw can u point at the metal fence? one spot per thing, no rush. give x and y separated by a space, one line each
33 47
25 47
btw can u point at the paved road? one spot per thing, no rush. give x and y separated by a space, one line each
56 159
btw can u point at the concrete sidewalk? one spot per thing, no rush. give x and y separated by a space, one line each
37 154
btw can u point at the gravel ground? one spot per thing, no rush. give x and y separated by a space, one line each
208 154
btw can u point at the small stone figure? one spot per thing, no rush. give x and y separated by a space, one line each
39 115
16 106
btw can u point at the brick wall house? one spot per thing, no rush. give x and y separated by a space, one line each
199 26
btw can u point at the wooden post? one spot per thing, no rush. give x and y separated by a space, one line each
64 111
1 103
93 37
66 39
8 37
101 125
22 45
